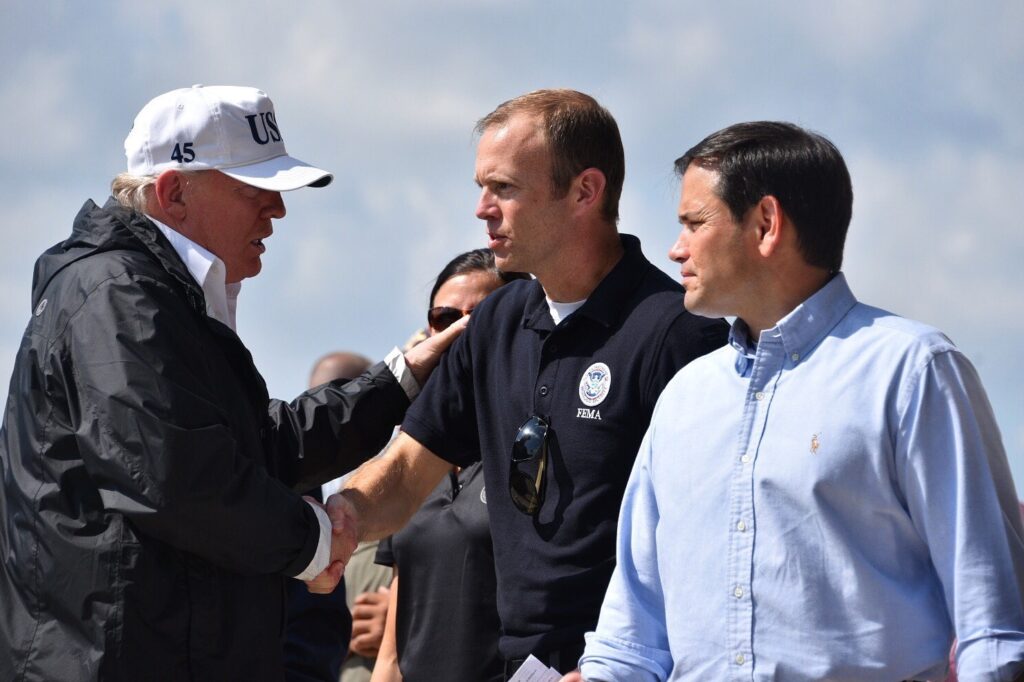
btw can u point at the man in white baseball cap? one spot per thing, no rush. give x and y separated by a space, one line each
148 516
229 129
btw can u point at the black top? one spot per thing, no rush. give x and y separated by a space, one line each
595 378
447 627
146 524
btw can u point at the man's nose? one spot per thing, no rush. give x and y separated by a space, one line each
274 207
680 251
485 205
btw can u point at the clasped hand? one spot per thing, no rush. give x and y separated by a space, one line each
344 538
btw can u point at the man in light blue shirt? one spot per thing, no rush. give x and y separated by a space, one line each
827 497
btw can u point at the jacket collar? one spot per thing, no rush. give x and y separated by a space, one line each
143 229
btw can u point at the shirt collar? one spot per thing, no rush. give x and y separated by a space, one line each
606 303
208 271
803 328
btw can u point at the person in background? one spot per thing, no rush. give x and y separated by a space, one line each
447 600
344 365
366 583
828 497
148 513
319 629
367 587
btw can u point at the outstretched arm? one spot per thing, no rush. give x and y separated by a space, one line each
378 500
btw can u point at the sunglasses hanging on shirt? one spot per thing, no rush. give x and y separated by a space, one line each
529 459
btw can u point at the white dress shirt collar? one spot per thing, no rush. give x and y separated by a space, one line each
209 272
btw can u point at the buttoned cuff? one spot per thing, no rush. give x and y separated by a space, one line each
395 361
322 558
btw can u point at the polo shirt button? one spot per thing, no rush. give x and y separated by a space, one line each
795 357
543 391
740 658
741 527
738 592
745 459
759 395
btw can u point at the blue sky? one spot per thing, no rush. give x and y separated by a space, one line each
925 100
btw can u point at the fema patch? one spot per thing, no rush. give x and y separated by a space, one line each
595 384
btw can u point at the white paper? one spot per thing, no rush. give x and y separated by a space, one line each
532 670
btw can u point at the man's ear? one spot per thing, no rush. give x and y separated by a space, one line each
170 194
588 189
769 221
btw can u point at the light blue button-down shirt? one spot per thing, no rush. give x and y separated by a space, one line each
832 503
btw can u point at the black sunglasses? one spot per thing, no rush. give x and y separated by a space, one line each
529 459
442 317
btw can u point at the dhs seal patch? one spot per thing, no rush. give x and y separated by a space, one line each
595 384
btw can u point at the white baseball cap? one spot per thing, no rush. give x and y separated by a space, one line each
229 128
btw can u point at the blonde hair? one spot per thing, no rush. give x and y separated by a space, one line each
132 191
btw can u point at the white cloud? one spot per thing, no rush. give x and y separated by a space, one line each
931 237
867 31
44 120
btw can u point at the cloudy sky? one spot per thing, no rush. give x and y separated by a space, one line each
925 99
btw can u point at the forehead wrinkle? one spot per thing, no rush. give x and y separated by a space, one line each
514 164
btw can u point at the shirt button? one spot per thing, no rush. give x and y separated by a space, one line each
740 658
738 592
795 357
759 395
741 527
745 459
543 391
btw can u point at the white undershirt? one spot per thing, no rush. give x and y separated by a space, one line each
560 311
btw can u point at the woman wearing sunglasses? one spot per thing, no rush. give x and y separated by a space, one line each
443 622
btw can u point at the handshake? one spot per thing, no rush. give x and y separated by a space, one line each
344 538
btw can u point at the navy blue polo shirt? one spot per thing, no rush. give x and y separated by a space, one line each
595 378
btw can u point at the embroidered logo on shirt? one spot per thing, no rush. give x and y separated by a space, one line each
588 413
41 307
595 384
815 443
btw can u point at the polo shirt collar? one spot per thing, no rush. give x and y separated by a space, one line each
606 303
803 328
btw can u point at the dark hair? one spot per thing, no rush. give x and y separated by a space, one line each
477 260
580 133
802 169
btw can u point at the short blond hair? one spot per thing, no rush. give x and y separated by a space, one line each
133 191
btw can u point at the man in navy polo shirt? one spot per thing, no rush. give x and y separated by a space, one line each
554 382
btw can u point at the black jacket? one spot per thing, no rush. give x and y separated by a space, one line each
147 512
